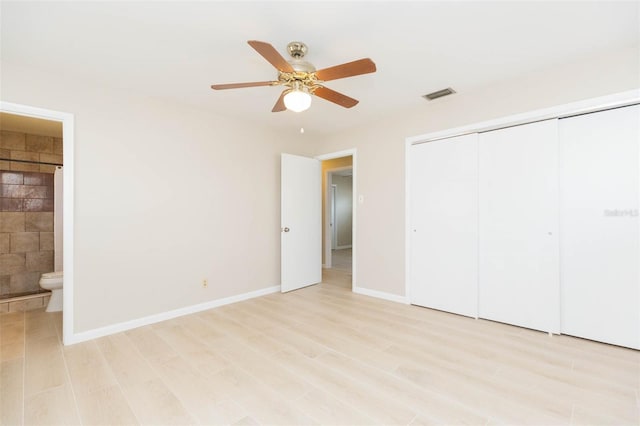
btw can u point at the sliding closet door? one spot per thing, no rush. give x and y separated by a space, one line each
600 226
518 226
444 217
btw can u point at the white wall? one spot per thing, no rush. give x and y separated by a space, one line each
165 196
380 259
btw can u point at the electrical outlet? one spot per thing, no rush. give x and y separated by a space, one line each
205 283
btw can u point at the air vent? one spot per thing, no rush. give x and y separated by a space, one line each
439 94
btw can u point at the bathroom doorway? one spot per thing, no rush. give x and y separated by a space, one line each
34 143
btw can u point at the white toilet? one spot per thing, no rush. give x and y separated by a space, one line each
53 281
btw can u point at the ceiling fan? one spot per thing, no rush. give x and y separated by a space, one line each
301 78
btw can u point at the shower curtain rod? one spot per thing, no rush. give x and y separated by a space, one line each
31 162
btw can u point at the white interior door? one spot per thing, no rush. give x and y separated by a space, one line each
444 225
301 222
600 226
518 226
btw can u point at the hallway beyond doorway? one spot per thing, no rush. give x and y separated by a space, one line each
341 259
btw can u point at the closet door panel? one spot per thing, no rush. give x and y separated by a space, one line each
518 226
600 226
443 262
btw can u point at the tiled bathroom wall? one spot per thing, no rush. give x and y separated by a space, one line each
33 148
26 211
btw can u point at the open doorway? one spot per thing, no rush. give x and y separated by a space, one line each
340 185
31 212
338 213
24 162
306 240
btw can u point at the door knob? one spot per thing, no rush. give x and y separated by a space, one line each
285 229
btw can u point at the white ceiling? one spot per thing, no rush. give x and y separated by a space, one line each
176 50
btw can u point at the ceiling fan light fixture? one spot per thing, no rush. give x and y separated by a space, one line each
301 79
297 100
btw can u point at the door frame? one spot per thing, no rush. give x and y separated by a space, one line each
352 152
68 143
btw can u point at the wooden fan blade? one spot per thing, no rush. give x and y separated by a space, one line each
335 97
279 106
241 85
361 66
271 54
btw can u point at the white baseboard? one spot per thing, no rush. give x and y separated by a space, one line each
381 295
152 319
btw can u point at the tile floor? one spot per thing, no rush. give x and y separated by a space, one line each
25 303
320 355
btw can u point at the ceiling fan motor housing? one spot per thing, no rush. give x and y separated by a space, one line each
298 50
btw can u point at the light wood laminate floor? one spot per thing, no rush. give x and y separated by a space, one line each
320 355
